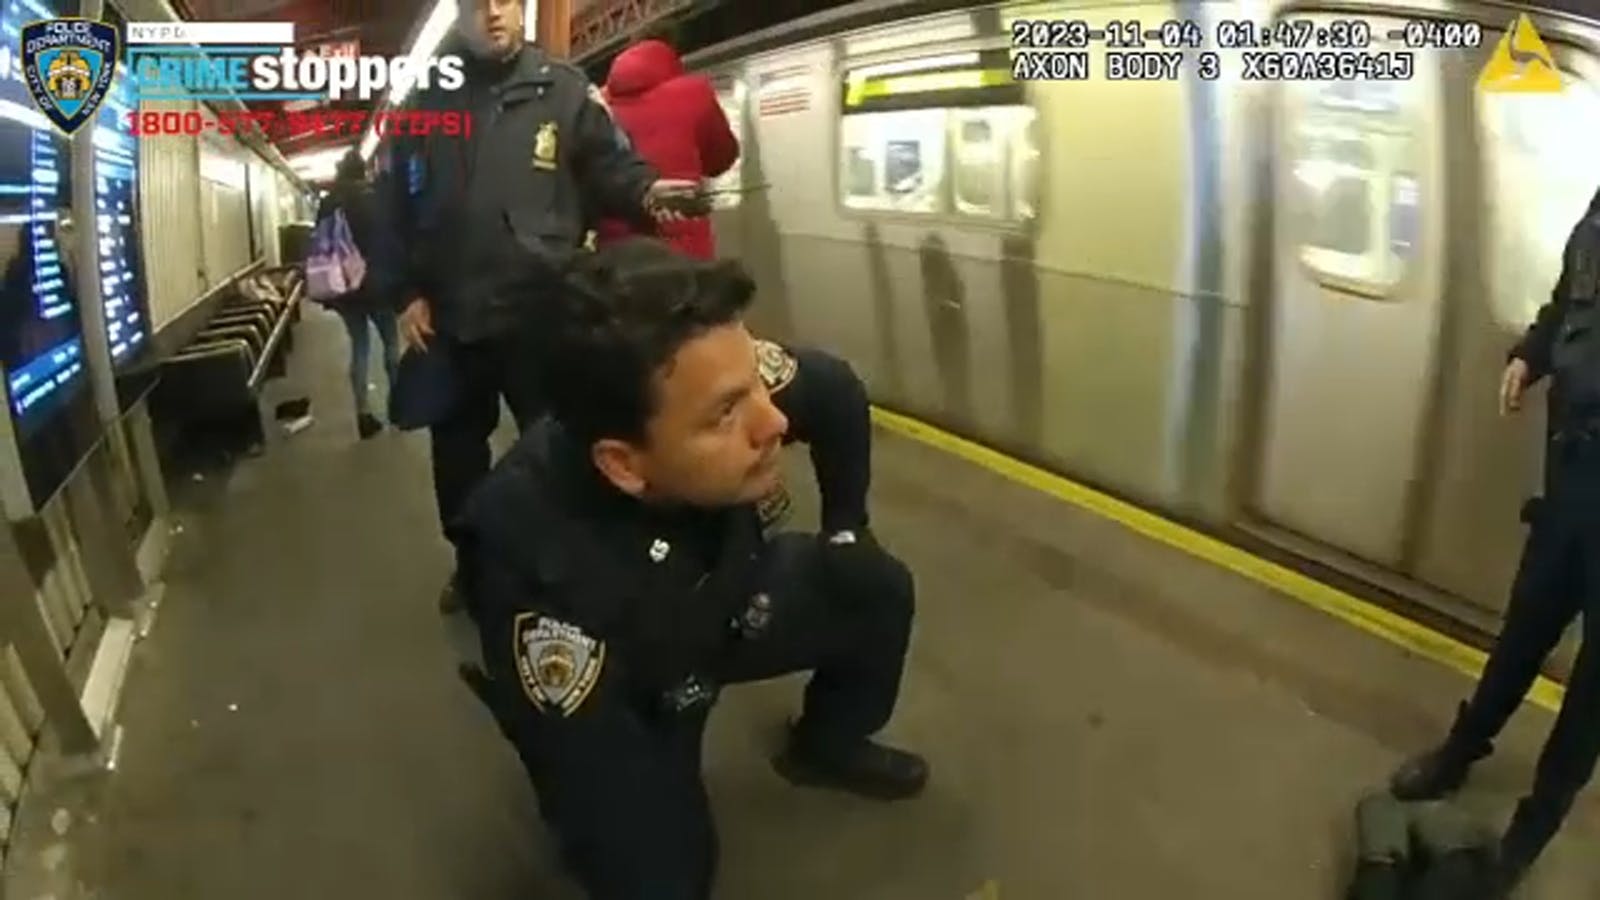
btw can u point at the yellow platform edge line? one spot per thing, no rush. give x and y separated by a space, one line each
1410 635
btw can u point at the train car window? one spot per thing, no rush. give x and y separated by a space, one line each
979 182
894 161
1405 216
1336 173
996 162
936 134
1025 150
1354 206
728 186
860 174
1541 173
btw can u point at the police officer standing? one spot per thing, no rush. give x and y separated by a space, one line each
616 565
477 209
1558 578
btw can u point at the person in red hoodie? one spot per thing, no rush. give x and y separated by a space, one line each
676 124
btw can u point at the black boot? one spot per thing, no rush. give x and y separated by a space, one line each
1441 771
865 768
368 425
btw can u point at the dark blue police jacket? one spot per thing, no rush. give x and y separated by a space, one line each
545 544
471 209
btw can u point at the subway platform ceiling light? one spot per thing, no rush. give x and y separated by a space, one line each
318 165
914 35
221 168
434 28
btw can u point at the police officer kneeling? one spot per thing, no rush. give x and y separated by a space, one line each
1558 578
616 565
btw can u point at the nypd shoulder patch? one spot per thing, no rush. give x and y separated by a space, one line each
776 364
773 509
558 664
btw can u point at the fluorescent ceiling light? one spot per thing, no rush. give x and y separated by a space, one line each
911 35
318 164
316 157
369 143
321 173
222 169
428 41
431 35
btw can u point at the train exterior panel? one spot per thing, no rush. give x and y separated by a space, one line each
1279 308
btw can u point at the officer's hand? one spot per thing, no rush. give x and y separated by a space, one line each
1512 384
672 199
850 560
416 325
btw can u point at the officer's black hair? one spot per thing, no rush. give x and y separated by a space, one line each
624 313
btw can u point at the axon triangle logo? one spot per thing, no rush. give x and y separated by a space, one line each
1521 63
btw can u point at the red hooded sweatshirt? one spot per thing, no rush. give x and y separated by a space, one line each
676 125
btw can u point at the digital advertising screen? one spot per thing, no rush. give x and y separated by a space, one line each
116 173
41 339
41 343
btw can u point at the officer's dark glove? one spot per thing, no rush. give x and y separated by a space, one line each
674 200
851 561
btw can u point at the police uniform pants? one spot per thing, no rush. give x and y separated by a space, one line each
853 639
1558 578
484 371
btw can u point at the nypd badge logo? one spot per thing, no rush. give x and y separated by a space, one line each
545 147
776 364
558 663
68 65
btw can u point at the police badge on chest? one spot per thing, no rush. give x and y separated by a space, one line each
557 663
546 147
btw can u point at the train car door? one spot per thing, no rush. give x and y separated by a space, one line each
1357 260
728 219
1537 172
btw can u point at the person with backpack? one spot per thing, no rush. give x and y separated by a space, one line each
364 307
1557 579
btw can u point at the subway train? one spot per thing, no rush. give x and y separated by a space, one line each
1276 309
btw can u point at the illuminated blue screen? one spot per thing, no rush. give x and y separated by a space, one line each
116 170
41 345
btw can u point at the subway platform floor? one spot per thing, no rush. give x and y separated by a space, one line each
1105 717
